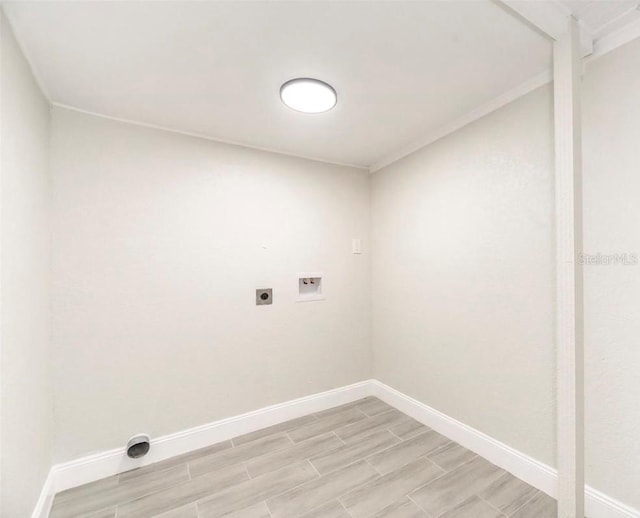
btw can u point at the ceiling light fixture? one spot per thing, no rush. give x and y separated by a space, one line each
308 95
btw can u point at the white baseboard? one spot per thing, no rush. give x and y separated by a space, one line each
43 505
600 505
101 465
535 473
522 466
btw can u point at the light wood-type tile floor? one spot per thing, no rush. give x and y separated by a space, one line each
363 459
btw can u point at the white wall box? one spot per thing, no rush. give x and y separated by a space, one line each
310 287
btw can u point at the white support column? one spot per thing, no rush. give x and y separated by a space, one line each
569 285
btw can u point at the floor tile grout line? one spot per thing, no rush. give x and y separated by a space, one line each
272 496
151 472
366 417
525 502
334 433
324 453
187 462
347 407
448 445
420 429
396 435
353 444
373 415
282 450
428 514
345 509
339 427
320 477
365 459
343 466
289 489
323 504
181 482
424 456
284 431
449 470
314 468
363 435
358 487
293 443
394 445
199 500
472 495
376 469
268 508
475 456
490 505
236 462
406 495
244 465
417 488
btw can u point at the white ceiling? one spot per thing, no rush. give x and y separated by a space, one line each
401 69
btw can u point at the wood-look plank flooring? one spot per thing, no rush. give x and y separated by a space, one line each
360 460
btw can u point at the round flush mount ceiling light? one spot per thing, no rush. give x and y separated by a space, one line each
308 95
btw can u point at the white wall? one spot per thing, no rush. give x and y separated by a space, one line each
26 402
612 293
463 275
159 243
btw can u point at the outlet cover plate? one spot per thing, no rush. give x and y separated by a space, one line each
264 297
